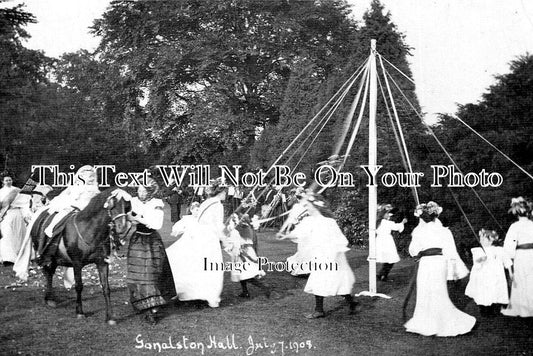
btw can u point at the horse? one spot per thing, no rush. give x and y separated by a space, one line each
87 238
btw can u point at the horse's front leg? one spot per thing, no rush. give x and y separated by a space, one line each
79 289
48 272
103 271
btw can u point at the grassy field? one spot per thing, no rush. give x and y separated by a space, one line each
256 326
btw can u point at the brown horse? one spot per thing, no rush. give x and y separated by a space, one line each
87 238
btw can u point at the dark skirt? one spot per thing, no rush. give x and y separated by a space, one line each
149 276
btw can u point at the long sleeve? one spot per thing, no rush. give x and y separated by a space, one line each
396 226
511 239
415 246
150 213
449 250
180 226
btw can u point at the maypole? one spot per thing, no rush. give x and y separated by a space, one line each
372 189
372 161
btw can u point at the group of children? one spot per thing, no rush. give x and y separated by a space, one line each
488 283
319 238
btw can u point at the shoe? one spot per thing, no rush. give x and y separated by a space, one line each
149 318
353 306
315 315
244 295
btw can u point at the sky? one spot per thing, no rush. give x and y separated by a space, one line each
459 45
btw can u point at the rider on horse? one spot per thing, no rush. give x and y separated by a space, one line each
75 197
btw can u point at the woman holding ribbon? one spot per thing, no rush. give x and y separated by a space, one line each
518 245
434 312
149 277
211 226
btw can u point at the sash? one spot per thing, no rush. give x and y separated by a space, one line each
528 246
434 251
205 209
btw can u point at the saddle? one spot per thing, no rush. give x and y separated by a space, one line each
47 246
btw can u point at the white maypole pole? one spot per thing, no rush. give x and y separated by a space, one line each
372 161
372 189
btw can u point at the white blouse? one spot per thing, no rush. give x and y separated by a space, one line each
519 233
149 213
432 235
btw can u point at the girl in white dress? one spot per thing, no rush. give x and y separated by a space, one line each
518 245
322 241
434 312
386 252
296 214
488 285
244 257
12 225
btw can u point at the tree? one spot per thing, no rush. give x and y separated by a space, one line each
503 117
235 55
22 81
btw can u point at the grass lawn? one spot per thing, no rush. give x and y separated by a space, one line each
274 326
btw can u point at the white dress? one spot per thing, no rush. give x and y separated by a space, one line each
243 255
456 267
386 251
295 214
521 300
434 312
74 196
12 226
194 257
323 245
487 283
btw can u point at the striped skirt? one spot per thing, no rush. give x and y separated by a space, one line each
149 276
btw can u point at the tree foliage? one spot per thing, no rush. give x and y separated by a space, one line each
503 117
202 63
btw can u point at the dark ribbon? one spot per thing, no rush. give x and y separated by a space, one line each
434 251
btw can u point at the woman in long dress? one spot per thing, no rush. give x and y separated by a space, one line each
149 277
12 224
518 245
186 257
322 241
211 220
196 258
434 312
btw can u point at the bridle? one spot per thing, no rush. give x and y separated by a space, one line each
113 241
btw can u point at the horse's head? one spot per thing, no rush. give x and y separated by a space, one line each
118 206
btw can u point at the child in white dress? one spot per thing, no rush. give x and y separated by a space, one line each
386 252
243 256
322 241
488 285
